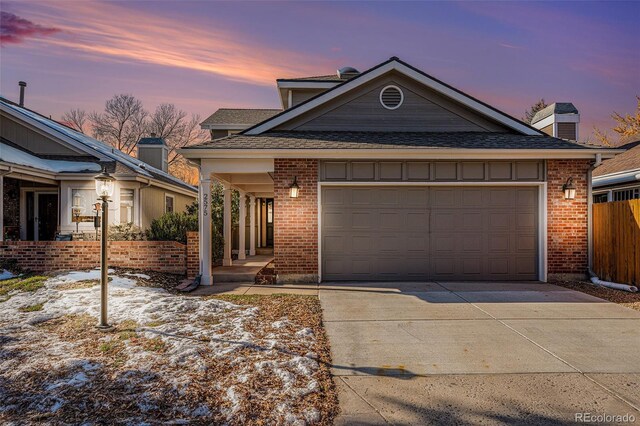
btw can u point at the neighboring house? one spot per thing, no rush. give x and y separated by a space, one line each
618 179
47 168
391 174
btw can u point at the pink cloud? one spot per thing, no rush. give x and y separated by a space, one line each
14 29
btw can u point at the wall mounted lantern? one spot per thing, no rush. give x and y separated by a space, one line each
77 208
294 188
105 184
569 189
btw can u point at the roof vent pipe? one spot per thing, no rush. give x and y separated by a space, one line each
22 85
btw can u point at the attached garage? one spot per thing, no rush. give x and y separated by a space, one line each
430 232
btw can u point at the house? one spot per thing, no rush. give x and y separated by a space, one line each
618 179
47 179
392 174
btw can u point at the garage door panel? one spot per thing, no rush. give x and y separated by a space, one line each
430 233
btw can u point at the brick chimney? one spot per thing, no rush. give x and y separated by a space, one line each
560 120
154 151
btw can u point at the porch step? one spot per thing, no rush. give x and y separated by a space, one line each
233 277
265 250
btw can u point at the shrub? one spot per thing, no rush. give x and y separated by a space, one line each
126 232
172 227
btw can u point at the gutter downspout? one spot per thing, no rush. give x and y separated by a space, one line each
592 276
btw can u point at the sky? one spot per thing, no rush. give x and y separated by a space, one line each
205 55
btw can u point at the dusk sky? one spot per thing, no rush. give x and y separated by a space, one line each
206 55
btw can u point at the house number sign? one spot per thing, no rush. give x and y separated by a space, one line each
205 204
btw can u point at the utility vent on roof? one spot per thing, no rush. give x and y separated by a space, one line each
391 97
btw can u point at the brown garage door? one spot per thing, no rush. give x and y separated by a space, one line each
429 233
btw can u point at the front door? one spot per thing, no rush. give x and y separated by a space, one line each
47 219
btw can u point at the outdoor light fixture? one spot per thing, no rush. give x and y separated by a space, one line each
294 188
569 189
77 208
104 188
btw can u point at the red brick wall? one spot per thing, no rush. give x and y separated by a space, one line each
296 220
193 254
567 219
41 256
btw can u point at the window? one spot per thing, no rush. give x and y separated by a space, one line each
168 204
126 205
626 194
83 199
600 198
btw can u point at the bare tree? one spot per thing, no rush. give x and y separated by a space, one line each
122 124
76 118
627 127
531 112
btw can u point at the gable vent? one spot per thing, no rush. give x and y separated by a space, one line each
391 97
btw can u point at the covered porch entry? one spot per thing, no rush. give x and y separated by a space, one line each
252 238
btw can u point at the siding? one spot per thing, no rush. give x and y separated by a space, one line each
301 95
32 140
152 203
422 110
548 130
567 131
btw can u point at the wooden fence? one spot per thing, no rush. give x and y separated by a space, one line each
616 241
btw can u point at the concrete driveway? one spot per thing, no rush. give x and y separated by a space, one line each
496 353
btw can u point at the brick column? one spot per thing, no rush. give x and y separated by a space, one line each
193 254
567 246
296 221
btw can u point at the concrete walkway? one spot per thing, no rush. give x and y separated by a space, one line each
250 288
496 353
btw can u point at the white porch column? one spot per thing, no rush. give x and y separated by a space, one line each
1 207
259 222
252 225
228 241
205 231
242 226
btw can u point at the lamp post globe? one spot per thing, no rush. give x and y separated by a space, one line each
105 184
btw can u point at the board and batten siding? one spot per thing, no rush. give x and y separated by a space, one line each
423 109
431 171
152 203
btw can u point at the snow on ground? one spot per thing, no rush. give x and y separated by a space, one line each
194 331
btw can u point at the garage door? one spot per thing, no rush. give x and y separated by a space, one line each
429 233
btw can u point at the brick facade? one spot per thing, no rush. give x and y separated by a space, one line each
193 254
567 244
41 256
296 220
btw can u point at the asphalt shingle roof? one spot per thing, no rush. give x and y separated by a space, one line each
240 116
388 140
628 160
555 108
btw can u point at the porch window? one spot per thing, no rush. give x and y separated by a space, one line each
168 204
126 205
84 199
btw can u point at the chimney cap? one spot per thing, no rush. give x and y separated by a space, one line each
555 108
153 140
22 83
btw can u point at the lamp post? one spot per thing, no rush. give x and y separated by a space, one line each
104 189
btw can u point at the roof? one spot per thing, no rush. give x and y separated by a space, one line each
627 161
151 141
13 155
323 78
100 148
389 140
246 117
398 65
554 108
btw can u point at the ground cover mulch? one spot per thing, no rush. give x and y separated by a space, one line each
624 298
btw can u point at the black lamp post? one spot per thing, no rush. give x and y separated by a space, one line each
105 184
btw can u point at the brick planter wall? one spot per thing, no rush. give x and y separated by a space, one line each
42 256
567 246
193 254
296 220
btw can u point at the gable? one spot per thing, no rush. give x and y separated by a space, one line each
33 141
483 110
422 110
